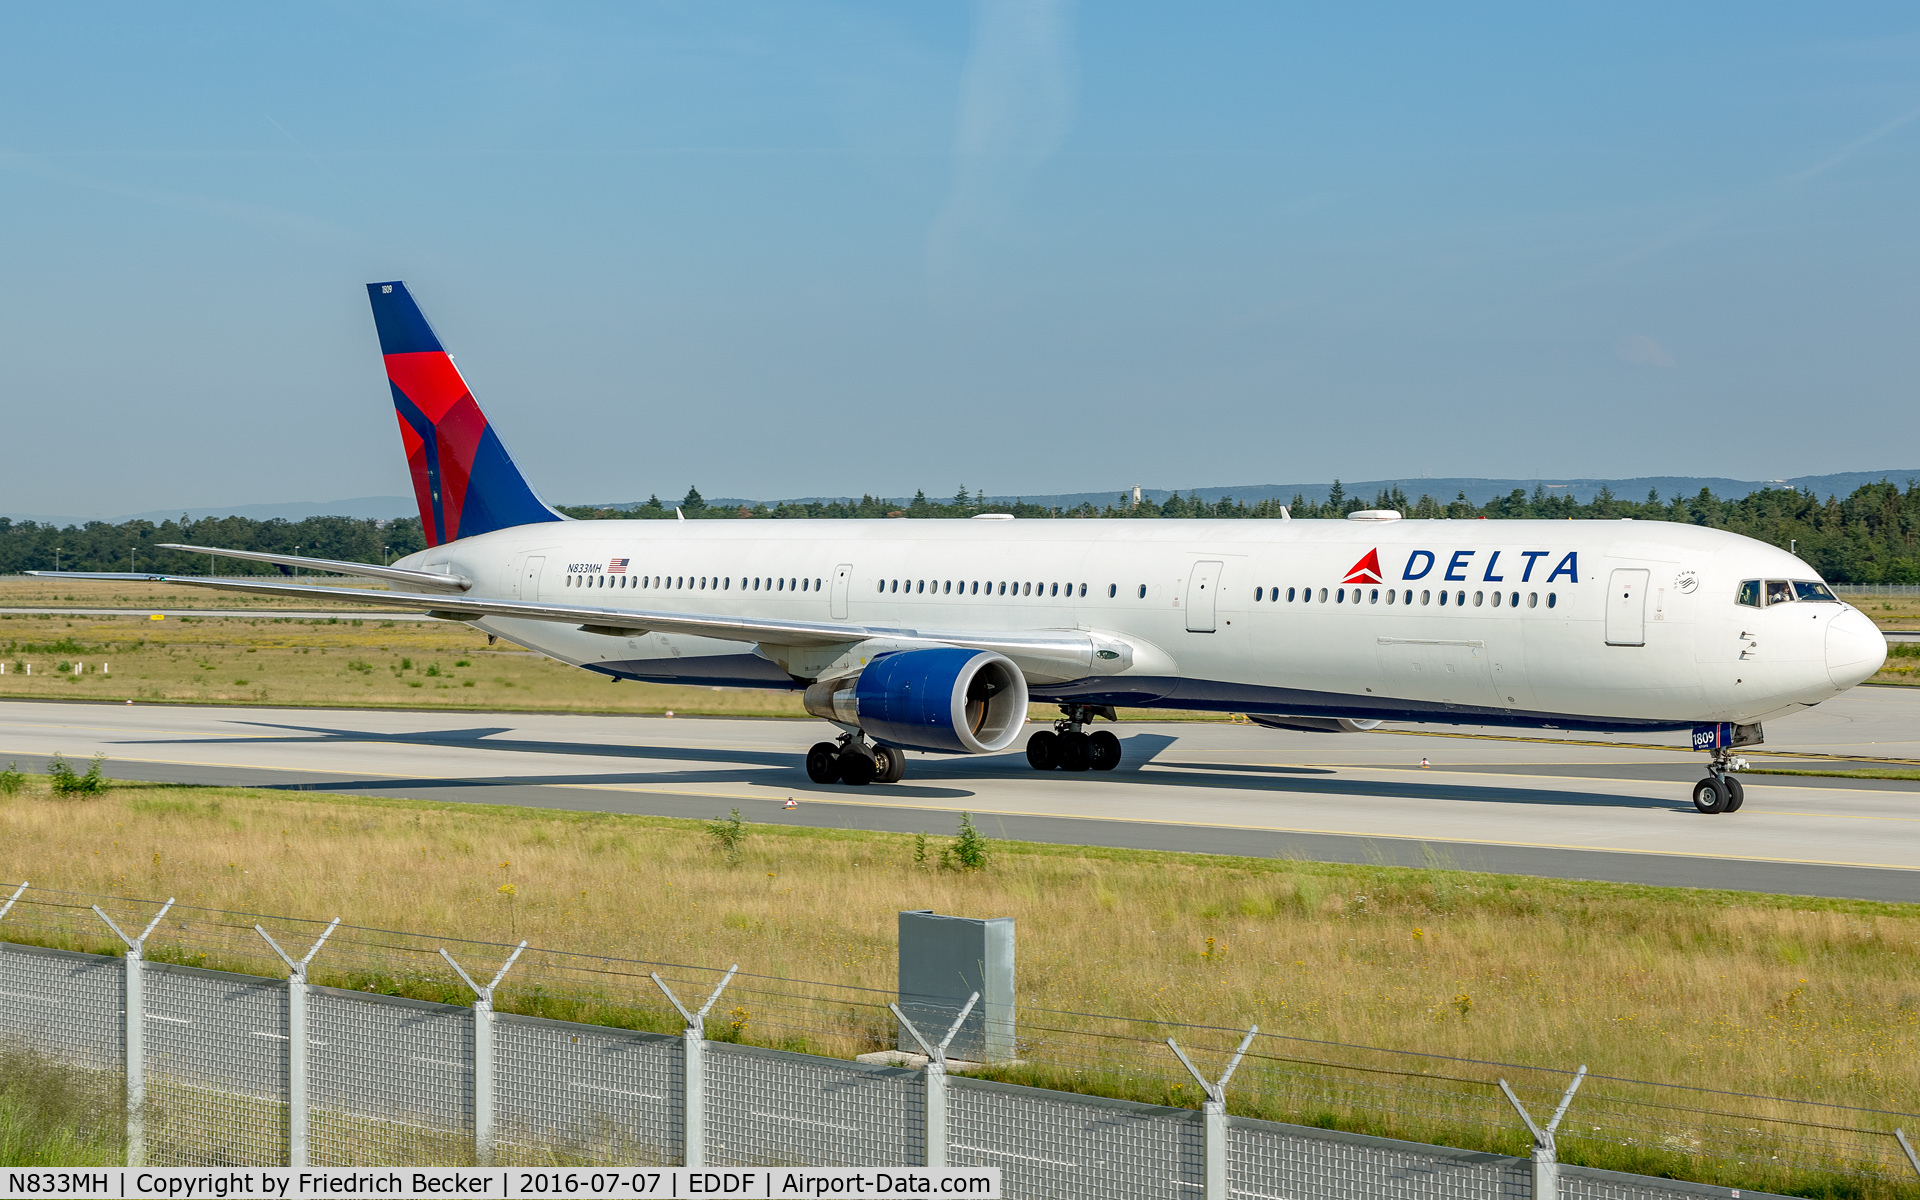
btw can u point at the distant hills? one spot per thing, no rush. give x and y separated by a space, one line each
1479 491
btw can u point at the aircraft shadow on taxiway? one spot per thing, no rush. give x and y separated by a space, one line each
928 772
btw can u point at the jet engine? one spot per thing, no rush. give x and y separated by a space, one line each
1312 724
943 699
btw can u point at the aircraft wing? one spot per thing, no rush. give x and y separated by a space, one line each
1049 654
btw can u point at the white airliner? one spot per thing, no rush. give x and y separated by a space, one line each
936 635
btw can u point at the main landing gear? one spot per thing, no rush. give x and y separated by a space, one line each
855 761
1067 747
1720 792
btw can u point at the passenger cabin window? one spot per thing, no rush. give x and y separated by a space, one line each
1749 593
1814 591
1779 591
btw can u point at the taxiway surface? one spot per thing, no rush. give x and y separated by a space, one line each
1586 807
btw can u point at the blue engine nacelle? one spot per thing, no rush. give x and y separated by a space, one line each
943 699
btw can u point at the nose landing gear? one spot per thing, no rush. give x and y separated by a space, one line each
1068 747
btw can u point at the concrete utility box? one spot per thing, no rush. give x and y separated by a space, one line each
943 960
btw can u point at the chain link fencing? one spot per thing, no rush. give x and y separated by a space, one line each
588 1066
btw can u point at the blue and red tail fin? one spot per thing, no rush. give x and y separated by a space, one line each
463 477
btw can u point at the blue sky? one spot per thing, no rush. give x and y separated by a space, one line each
789 249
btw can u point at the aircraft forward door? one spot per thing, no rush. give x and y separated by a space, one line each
1203 593
529 581
1627 607
842 582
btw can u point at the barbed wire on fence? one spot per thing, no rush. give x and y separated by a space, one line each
1408 1093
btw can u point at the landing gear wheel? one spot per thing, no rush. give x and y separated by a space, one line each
823 762
1736 795
890 764
1040 751
1710 796
1103 751
1070 751
857 767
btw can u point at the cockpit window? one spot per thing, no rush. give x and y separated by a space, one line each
1749 593
1814 591
1779 591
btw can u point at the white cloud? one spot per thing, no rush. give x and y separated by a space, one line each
1642 351
1016 108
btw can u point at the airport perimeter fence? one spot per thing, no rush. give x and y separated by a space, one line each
1876 589
425 1049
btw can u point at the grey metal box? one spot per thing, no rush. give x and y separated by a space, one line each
943 960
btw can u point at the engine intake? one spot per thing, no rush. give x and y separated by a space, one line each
943 699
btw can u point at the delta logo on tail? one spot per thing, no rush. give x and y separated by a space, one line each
1367 570
463 479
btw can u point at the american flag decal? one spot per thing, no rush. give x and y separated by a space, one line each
618 566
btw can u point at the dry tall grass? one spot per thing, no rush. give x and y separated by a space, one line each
1808 999
1796 997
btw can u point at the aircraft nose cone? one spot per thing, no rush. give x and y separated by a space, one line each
1855 648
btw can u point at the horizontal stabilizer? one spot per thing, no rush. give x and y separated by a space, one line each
425 579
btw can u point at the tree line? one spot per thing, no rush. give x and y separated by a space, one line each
1869 537
132 545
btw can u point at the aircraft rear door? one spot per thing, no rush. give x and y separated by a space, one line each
529 581
842 583
1203 591
1627 607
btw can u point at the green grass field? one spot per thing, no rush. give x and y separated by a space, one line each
1800 998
